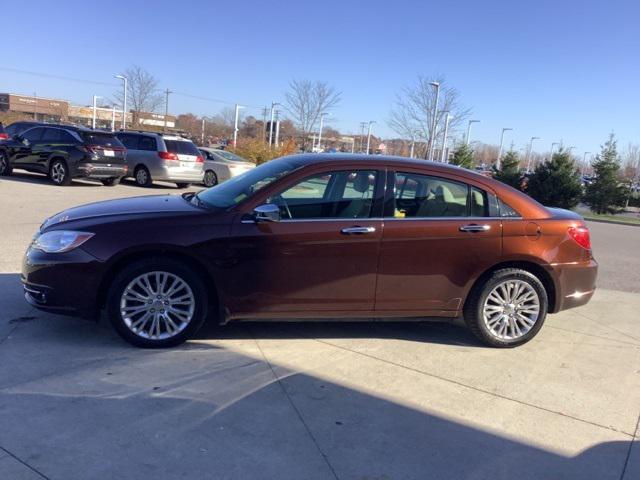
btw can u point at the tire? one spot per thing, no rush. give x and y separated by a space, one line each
111 182
59 172
210 178
5 165
139 330
142 176
508 297
183 185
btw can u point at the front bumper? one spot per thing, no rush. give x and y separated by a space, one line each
576 284
101 170
62 283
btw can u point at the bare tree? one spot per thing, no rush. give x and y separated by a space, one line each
306 101
143 93
412 114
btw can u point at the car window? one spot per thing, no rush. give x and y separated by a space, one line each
181 147
67 137
340 194
418 195
129 141
506 210
33 134
478 203
12 129
147 143
106 140
51 135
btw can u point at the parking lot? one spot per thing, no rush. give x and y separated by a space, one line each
320 400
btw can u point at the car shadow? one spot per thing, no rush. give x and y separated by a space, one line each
41 179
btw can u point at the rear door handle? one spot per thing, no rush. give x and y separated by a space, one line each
357 230
475 228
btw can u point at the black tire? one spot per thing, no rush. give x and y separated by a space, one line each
110 182
142 176
5 165
210 178
183 185
473 309
174 267
59 172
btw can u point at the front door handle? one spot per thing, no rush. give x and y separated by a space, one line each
357 230
475 228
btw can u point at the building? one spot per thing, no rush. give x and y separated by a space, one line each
39 108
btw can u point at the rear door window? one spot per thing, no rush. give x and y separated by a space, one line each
51 135
33 135
425 196
129 141
147 144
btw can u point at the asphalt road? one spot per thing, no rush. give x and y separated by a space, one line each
307 401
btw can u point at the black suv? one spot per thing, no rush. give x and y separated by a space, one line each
64 152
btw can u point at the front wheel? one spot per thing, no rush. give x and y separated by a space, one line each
59 172
507 309
5 166
157 303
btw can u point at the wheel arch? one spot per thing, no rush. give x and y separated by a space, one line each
527 265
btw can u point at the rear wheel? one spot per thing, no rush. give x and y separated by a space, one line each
59 172
183 185
210 178
157 303
507 309
5 166
110 182
142 176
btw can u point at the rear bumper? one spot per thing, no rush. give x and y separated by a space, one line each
173 174
97 170
575 285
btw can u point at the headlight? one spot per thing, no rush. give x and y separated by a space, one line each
59 241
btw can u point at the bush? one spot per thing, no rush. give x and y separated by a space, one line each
509 171
607 194
556 183
259 152
463 157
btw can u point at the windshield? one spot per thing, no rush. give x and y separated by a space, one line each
236 189
232 157
102 139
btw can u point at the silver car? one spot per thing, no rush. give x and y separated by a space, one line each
220 165
165 157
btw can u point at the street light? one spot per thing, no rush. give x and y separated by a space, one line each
124 101
273 106
444 140
584 162
166 107
371 122
529 152
235 128
95 107
501 144
551 153
434 123
322 115
469 130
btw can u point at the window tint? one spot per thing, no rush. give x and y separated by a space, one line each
426 196
343 194
33 134
67 137
506 210
101 139
147 143
478 203
181 147
51 135
129 141
12 129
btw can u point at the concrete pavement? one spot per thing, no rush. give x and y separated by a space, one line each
307 401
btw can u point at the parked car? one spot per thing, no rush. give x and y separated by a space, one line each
221 165
317 236
166 157
64 152
18 127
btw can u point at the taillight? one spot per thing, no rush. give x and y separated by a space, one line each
199 159
4 136
168 155
581 236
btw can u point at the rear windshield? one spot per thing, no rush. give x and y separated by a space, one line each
101 139
230 156
181 147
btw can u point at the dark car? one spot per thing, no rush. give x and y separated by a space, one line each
17 128
64 152
317 236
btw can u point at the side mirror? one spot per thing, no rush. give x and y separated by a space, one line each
267 213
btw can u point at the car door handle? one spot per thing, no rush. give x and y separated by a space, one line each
357 230
475 228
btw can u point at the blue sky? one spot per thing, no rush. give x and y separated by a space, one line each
563 69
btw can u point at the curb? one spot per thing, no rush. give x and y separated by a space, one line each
612 222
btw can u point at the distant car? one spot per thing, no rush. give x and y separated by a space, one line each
64 152
220 165
165 157
18 127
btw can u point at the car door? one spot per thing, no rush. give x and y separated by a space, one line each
320 259
23 153
438 238
45 146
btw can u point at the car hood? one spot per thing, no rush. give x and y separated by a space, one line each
110 210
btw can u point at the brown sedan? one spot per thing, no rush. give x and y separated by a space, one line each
317 237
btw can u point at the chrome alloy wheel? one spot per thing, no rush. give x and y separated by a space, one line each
58 172
157 305
511 309
141 176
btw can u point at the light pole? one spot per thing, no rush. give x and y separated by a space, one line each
166 107
371 122
469 130
95 108
434 123
322 115
501 144
551 153
277 140
413 143
273 106
235 128
124 101
443 157
113 118
584 163
529 152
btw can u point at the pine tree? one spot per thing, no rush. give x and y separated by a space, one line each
509 171
463 157
556 183
607 194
